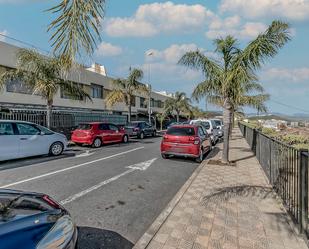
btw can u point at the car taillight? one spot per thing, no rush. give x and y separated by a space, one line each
51 202
164 137
195 140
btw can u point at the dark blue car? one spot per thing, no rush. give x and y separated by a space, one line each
34 221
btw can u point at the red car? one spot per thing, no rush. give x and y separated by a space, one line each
97 133
186 140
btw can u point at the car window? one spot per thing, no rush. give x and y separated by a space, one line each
201 132
181 131
218 122
141 125
104 127
84 127
205 131
148 125
113 127
206 125
6 129
45 130
27 129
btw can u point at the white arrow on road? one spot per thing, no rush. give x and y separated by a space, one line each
139 166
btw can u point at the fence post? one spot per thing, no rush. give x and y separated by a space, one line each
303 198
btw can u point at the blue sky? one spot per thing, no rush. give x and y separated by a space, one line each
132 28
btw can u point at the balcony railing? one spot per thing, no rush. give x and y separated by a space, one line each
287 171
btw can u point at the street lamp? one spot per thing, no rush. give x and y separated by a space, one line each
150 53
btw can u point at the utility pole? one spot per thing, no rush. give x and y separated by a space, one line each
150 53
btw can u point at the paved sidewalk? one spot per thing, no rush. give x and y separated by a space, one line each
228 207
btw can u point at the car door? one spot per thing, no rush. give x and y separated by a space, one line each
116 135
207 141
203 138
105 133
32 143
9 141
148 129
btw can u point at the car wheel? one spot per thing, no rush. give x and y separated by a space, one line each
142 135
97 143
163 156
200 157
56 149
125 139
154 134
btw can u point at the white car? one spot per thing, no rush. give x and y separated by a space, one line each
20 139
219 124
210 126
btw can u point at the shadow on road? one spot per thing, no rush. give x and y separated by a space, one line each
95 238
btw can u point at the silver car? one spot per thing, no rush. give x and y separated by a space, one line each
20 139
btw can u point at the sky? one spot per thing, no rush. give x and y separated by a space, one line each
133 28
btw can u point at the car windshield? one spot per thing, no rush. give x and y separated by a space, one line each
181 131
84 127
218 122
133 124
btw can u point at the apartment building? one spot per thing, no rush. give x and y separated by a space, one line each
16 96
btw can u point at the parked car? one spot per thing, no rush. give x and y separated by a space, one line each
98 133
34 221
211 128
219 125
172 124
140 129
186 140
24 139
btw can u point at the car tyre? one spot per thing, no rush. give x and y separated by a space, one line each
154 134
164 156
200 158
97 143
125 139
142 135
56 149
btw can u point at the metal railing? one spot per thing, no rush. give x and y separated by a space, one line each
287 171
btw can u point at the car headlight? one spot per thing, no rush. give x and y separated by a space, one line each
60 234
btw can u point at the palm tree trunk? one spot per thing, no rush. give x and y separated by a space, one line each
130 113
49 113
177 116
227 116
161 124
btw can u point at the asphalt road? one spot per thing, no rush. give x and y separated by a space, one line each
113 193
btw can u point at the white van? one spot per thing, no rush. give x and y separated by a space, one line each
210 126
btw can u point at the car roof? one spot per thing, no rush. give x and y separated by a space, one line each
15 121
186 126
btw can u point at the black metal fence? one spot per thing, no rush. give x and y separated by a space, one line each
286 169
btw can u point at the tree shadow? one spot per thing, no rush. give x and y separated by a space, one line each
95 238
242 159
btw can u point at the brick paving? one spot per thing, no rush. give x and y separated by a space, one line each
229 207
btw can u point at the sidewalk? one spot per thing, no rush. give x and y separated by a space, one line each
227 207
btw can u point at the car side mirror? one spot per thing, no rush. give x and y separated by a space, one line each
42 133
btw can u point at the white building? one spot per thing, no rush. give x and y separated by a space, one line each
16 96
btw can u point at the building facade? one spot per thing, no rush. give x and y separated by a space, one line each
16 96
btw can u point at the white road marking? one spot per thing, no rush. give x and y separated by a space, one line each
69 168
139 166
87 153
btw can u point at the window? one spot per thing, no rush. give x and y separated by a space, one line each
183 131
142 103
96 91
45 130
17 86
27 129
206 125
201 132
104 127
152 102
65 95
6 129
133 102
113 127
84 127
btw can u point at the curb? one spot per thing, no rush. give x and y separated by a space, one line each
147 237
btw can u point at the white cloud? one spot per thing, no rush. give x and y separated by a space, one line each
152 19
245 31
291 9
107 49
286 74
4 32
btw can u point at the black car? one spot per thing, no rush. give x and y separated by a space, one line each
34 221
140 129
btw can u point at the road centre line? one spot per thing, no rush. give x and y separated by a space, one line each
70 168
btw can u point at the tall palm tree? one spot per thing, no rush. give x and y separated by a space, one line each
231 79
125 89
178 103
44 76
161 117
75 30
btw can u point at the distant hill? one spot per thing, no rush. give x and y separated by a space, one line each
280 116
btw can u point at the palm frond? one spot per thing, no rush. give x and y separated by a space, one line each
75 91
257 101
76 28
115 96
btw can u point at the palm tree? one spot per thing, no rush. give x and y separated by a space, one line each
44 76
161 117
125 89
75 31
230 80
178 103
